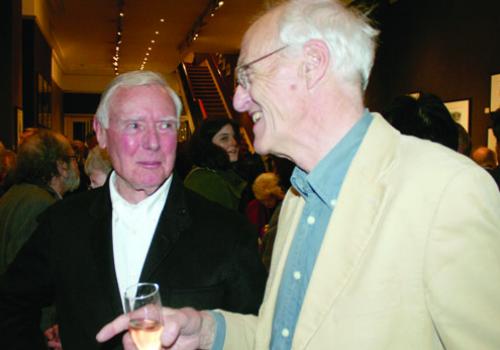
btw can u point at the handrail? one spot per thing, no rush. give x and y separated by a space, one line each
227 92
194 108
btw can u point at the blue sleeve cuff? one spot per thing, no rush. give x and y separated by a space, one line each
220 332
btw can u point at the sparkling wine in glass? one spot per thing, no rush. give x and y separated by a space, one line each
143 305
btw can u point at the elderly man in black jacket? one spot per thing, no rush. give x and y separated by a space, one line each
142 226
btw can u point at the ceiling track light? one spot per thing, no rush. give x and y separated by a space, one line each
201 21
120 4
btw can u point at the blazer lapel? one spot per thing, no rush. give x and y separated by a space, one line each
350 230
173 220
102 247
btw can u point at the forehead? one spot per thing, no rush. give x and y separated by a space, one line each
260 37
226 129
141 100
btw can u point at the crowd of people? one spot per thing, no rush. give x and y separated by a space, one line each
365 232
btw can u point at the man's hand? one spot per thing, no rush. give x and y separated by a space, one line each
183 329
53 340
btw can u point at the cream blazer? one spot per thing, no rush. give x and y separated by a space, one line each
410 259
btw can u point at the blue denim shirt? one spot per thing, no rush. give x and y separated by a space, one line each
320 189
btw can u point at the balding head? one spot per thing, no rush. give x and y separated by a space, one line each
485 157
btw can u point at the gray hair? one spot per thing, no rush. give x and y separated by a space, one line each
98 159
130 79
347 32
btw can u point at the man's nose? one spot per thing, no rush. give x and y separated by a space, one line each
151 139
241 99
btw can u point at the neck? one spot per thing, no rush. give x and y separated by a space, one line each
130 194
327 123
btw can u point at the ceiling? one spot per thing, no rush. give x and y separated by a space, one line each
84 33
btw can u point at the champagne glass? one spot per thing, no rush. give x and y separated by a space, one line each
143 304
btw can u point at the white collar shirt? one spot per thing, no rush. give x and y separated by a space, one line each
133 228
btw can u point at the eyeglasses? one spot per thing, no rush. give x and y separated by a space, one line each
242 71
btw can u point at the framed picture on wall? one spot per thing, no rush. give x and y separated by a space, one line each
460 111
495 92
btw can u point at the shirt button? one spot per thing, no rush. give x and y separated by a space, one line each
285 332
297 275
333 202
311 220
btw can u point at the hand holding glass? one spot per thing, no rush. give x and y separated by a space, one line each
143 304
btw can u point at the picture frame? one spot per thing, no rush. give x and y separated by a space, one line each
20 124
495 92
43 102
460 111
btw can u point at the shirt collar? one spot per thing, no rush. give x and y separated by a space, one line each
327 176
146 205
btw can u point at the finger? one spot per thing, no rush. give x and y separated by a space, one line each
113 328
128 343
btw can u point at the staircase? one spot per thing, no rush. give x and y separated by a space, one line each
204 89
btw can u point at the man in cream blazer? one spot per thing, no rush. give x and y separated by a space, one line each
385 241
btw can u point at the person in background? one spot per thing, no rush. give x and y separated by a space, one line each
91 140
213 148
464 141
485 157
46 169
141 226
81 152
268 194
7 169
425 117
283 168
97 167
385 241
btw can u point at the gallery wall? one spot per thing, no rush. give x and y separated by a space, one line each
447 47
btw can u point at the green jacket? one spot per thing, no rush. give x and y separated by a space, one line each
223 187
19 209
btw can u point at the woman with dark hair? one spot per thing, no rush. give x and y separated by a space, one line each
213 148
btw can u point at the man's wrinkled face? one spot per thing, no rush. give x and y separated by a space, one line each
272 96
141 138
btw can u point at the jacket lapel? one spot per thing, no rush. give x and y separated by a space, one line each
173 220
101 241
350 229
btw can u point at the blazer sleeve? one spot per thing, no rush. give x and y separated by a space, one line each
240 331
462 263
24 289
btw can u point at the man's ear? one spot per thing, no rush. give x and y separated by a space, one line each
100 133
316 61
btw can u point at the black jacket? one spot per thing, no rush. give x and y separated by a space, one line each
201 255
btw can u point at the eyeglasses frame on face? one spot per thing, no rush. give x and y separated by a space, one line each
242 71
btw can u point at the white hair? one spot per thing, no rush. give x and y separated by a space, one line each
347 32
130 79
